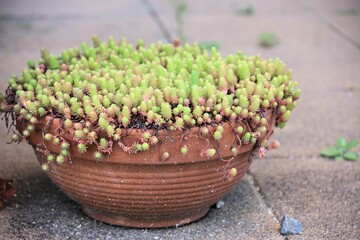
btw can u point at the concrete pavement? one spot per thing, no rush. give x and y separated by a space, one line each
316 39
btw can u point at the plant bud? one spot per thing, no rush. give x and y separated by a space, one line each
218 118
166 111
50 157
243 70
255 103
184 150
98 155
217 135
246 137
239 130
210 152
274 144
165 156
153 140
16 137
48 137
244 113
282 109
60 159
234 151
45 167
233 172
145 146
286 116
26 133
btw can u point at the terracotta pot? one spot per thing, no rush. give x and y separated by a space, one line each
141 190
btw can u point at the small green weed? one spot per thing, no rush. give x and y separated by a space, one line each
268 39
341 150
206 45
248 10
348 11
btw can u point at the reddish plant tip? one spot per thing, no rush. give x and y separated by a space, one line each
218 118
177 42
165 156
63 67
274 144
261 152
186 102
78 126
153 140
204 131
201 101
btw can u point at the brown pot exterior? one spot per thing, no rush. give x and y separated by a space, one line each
141 190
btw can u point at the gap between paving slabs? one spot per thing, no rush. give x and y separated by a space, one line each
158 22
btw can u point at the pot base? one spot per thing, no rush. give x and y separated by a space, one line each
116 219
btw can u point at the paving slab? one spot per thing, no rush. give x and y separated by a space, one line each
342 16
323 194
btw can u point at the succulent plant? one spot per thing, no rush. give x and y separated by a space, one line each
100 91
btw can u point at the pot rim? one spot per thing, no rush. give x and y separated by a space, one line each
172 142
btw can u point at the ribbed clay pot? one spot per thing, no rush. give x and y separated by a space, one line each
141 190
